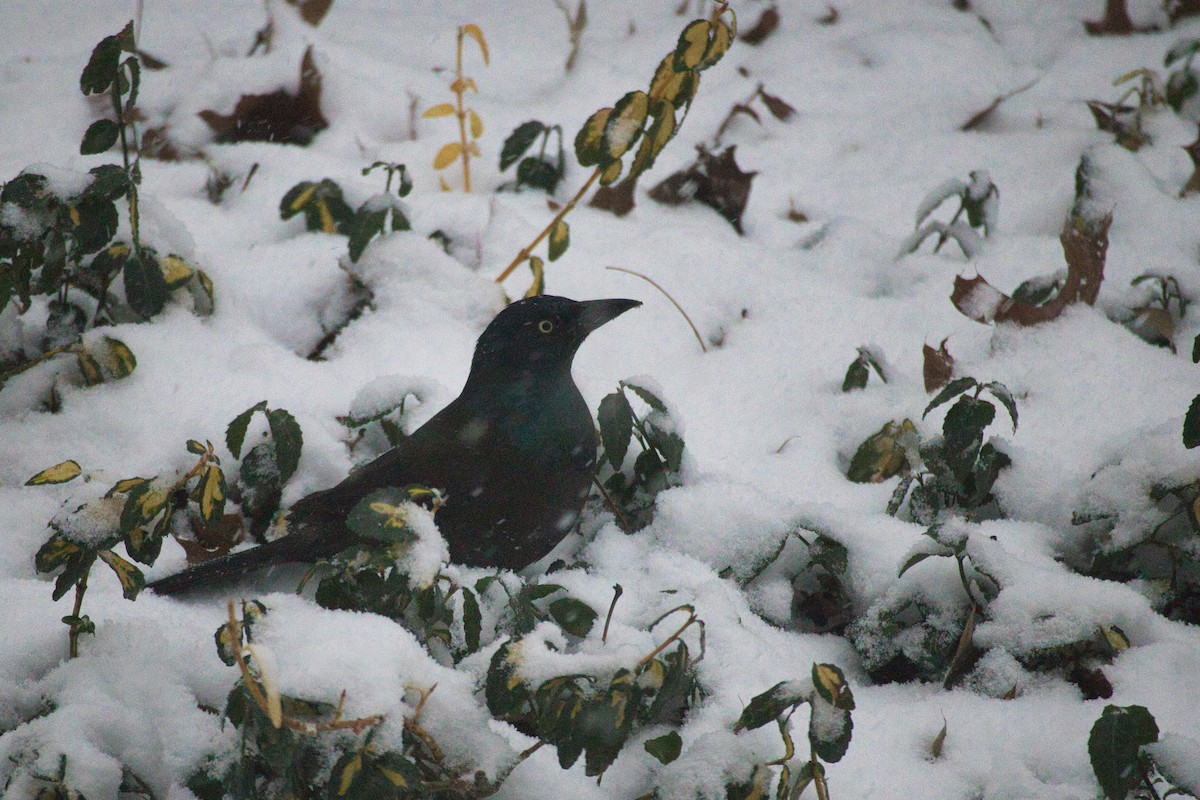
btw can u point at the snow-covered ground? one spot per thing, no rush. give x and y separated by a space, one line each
880 95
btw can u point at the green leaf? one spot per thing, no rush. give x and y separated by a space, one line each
100 136
109 182
364 225
131 578
97 224
1001 393
616 427
520 140
472 620
145 287
603 724
573 616
648 397
1191 424
235 434
560 240
289 441
829 732
59 473
949 392
539 173
504 691
665 748
382 516
134 68
768 706
101 68
118 358
1196 350
1114 746
212 494
963 430
856 376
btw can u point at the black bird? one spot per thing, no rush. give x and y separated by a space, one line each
514 454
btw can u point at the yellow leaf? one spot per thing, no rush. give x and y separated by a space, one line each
445 187
661 130
327 223
830 680
721 39
1116 637
74 214
693 43
212 494
302 199
123 486
440 110
352 768
476 124
59 473
469 83
538 287
151 503
131 578
560 239
473 149
447 155
475 33
395 777
176 271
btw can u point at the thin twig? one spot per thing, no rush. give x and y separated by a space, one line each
528 249
617 592
692 618
668 296
622 520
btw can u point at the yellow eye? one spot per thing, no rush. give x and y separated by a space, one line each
545 326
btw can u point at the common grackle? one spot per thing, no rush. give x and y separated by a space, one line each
514 454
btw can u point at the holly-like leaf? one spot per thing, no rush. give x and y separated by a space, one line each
235 433
616 427
289 441
665 748
573 616
59 473
99 137
1115 744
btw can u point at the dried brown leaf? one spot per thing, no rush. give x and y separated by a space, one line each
939 366
276 117
312 11
617 198
715 180
768 21
1084 243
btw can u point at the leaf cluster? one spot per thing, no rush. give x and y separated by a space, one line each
325 209
978 198
267 465
830 727
952 473
536 171
657 465
470 125
594 716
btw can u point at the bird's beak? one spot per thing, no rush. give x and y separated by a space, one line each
597 312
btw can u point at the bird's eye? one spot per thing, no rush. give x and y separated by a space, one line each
545 326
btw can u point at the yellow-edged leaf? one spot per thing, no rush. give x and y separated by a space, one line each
447 155
176 271
440 110
589 142
395 777
476 123
476 33
89 367
150 503
131 578
611 173
661 131
560 240
59 473
327 223
692 45
123 486
57 550
666 81
624 125
1115 637
118 358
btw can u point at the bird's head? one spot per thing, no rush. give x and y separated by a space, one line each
541 334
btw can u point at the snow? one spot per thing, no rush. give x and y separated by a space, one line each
880 96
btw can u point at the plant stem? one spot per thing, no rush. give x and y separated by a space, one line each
528 249
461 113
654 283
73 632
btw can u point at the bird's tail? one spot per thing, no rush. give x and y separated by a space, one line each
293 547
